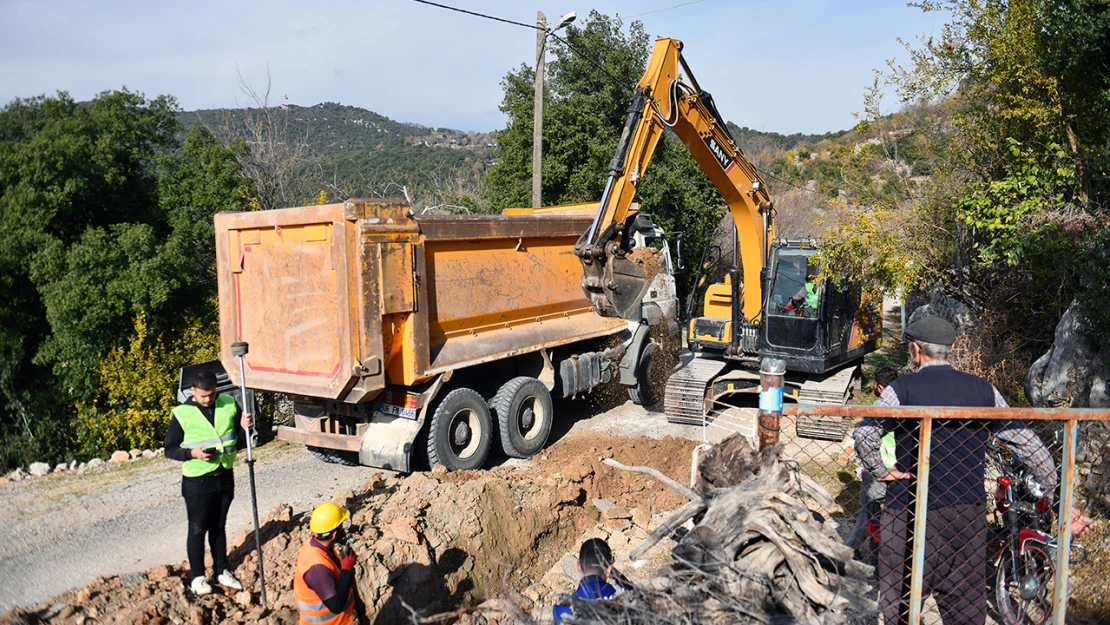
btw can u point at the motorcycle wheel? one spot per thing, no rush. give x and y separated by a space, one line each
1025 596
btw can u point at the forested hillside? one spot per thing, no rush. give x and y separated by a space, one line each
331 129
345 151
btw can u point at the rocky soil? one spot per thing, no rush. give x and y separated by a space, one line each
431 542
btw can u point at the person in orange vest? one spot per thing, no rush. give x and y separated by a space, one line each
324 580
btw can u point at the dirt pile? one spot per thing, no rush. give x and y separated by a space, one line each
435 541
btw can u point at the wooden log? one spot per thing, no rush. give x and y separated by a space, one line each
683 514
728 463
655 473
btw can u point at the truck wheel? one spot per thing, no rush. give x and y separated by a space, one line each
649 377
522 408
460 431
333 456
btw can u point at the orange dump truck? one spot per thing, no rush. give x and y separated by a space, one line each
400 336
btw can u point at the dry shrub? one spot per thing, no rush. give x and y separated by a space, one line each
1015 311
994 352
800 214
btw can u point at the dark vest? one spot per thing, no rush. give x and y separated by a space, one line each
958 447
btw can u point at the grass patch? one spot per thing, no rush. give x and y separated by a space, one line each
1090 581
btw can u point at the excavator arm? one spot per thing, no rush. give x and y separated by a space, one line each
614 282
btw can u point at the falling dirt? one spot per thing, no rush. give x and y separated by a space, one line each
649 259
434 541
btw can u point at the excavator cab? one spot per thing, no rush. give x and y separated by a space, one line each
814 325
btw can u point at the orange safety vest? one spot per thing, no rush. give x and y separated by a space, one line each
309 605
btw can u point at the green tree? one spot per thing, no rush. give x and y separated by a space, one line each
1031 107
64 169
588 86
1007 113
104 216
588 89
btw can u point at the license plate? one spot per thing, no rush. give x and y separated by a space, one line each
398 411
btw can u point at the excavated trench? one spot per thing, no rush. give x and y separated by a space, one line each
434 541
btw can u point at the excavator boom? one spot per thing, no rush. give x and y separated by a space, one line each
615 283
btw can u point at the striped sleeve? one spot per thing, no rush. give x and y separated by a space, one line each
868 436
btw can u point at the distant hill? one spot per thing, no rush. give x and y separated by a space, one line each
757 141
361 150
331 129
358 149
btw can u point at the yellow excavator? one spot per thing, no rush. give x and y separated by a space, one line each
771 303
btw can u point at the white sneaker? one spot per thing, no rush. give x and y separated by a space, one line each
227 579
201 586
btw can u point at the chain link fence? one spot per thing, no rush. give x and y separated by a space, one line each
965 514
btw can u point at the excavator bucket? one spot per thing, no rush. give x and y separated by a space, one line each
614 280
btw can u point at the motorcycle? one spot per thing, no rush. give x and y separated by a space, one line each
1025 565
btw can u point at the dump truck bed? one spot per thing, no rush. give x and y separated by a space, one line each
336 300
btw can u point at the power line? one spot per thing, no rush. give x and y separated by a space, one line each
594 61
681 4
589 58
528 26
784 181
482 15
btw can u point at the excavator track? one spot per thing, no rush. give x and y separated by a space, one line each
834 388
684 399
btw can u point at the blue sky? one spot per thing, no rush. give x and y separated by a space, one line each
787 66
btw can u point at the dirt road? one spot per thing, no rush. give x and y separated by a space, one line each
64 531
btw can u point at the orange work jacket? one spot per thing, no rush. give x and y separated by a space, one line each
309 605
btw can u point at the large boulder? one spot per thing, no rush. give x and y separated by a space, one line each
1074 373
941 305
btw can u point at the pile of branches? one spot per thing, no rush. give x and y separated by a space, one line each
757 552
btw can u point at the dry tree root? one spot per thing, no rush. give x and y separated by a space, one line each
758 555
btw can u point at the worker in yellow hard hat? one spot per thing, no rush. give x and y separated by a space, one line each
324 580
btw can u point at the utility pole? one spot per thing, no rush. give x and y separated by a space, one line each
537 111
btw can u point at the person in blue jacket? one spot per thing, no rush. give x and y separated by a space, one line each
595 563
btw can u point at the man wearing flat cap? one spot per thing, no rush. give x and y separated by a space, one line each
955 570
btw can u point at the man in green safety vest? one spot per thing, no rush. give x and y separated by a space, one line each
202 434
872 491
807 298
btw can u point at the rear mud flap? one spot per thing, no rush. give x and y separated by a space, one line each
387 443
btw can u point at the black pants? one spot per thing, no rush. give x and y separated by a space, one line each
955 571
207 500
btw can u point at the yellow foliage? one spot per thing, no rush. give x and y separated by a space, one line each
321 198
137 381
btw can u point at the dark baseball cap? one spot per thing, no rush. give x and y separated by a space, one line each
932 329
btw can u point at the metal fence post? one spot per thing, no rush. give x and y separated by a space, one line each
1063 525
920 516
771 372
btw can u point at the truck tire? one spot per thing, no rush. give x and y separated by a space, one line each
460 431
333 456
649 377
522 409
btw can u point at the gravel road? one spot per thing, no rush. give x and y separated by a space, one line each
64 531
